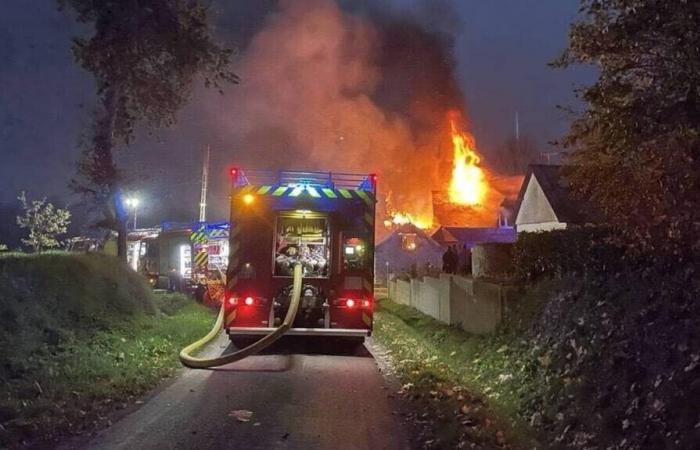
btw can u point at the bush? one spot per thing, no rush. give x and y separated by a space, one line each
572 251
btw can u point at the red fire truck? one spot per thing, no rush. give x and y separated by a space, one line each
321 220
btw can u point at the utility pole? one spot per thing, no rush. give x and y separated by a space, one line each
517 127
203 197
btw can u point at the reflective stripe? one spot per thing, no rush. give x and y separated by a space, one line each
297 190
363 195
312 190
329 193
201 259
263 190
345 193
279 191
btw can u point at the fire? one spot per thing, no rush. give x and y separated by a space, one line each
399 218
468 184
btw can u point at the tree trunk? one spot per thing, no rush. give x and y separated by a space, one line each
105 171
121 240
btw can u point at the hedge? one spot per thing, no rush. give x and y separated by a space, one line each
554 253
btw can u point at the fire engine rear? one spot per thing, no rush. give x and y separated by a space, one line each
321 220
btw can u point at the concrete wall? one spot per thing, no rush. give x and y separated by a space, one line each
475 305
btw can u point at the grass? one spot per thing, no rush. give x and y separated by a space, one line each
82 336
492 370
73 388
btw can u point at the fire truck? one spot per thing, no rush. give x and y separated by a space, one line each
322 221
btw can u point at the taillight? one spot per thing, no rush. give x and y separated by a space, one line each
249 301
350 303
232 301
366 304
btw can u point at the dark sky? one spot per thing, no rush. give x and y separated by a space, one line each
502 49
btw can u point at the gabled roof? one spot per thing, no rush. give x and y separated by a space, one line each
567 208
444 237
406 228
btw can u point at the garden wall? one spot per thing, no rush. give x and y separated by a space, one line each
476 306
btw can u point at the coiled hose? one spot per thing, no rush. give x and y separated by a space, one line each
192 362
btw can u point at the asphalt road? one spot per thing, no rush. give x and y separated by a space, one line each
301 397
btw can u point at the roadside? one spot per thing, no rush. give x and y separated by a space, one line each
461 386
76 354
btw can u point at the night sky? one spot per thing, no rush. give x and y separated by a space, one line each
502 48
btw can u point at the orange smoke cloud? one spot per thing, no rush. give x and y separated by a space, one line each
329 90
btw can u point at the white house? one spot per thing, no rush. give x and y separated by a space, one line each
545 202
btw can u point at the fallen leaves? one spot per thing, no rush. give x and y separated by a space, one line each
241 415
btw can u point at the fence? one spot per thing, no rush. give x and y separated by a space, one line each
475 305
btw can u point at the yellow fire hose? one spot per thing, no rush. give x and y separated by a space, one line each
202 363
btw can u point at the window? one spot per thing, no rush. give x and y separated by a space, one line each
408 241
302 236
354 254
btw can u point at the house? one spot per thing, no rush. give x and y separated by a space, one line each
470 236
406 246
545 202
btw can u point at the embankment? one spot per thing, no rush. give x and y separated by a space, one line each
81 336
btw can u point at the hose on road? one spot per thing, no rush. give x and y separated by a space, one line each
192 362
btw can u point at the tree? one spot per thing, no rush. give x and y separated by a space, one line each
516 154
44 222
145 56
636 147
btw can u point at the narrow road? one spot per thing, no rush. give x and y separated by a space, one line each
299 400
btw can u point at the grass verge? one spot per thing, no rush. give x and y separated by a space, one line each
71 387
470 388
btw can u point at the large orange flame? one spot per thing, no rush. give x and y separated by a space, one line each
468 184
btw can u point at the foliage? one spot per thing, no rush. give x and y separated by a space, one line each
44 223
605 361
3 247
80 335
145 57
637 145
585 250
483 378
622 356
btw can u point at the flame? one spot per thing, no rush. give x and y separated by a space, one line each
399 218
468 184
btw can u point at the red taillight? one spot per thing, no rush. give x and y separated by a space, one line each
350 303
249 301
233 172
232 301
366 304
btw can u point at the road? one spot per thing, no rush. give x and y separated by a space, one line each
299 400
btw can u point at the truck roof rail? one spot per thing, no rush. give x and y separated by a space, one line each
364 182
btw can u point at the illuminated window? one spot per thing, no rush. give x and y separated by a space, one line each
302 236
408 241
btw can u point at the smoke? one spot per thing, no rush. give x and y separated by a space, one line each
363 91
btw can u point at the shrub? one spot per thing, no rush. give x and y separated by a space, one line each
574 251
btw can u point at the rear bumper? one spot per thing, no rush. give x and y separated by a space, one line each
344 332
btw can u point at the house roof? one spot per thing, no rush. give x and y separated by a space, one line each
556 188
452 235
444 237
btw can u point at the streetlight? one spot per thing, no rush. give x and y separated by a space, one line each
133 203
